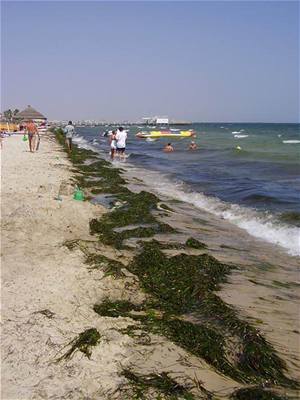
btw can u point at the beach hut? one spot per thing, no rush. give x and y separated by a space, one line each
30 113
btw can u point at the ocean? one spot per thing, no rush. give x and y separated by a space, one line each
256 188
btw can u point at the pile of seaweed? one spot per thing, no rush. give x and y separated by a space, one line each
182 303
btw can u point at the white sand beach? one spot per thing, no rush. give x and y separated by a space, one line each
39 273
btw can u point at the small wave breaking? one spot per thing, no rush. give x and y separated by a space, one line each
257 224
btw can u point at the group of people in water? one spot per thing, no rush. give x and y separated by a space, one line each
117 140
169 148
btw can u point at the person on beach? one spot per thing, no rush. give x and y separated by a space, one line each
193 146
32 132
69 131
168 148
121 137
1 138
113 144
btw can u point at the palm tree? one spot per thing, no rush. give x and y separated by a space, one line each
8 114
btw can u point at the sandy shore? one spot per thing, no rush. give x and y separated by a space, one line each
39 273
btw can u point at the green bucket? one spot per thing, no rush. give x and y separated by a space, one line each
78 195
25 138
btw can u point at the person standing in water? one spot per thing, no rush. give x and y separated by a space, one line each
121 137
32 132
113 144
69 131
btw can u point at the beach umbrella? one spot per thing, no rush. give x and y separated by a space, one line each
30 113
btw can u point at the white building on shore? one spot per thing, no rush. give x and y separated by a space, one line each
156 120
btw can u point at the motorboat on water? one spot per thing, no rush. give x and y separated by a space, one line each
168 133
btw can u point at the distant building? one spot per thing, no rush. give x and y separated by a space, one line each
30 113
156 120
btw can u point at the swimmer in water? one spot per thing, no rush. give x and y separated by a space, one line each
193 146
168 148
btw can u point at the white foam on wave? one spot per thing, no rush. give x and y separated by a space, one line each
256 224
85 144
240 136
291 141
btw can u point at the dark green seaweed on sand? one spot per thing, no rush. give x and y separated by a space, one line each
115 308
108 265
255 393
183 284
83 343
136 210
195 244
178 283
161 384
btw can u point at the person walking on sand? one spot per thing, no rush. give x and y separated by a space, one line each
121 137
69 131
32 132
168 148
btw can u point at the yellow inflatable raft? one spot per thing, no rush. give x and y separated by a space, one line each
168 134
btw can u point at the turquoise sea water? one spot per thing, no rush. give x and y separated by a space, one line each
256 188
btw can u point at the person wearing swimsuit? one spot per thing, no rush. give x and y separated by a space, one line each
113 145
32 132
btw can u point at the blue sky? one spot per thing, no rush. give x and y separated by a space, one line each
201 61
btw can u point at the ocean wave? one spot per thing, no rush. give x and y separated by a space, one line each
291 141
84 143
257 224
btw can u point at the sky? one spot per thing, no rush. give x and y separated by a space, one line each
200 61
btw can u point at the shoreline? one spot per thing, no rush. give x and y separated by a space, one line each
152 319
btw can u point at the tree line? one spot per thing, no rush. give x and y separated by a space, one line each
10 114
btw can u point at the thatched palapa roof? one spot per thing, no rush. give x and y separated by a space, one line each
29 113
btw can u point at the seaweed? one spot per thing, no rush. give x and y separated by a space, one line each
200 340
108 265
83 343
116 308
195 244
161 383
183 283
256 393
180 282
136 209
